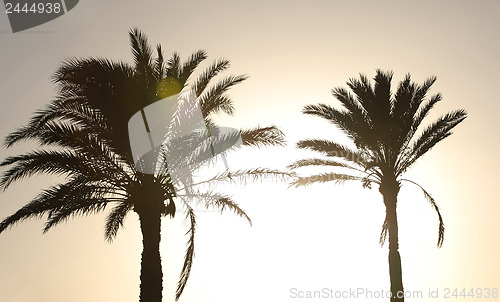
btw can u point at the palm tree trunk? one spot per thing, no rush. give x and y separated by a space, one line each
395 271
390 192
151 271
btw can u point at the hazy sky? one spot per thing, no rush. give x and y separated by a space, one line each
322 236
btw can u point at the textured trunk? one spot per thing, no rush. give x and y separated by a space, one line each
390 192
151 273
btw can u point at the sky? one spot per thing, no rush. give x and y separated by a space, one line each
306 239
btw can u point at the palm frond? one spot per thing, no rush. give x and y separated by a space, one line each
334 149
407 131
404 103
143 56
218 201
263 136
424 110
113 88
423 89
354 107
188 258
73 208
245 175
349 101
214 99
224 202
385 231
190 65
83 140
115 220
337 178
71 110
34 209
436 208
173 68
383 104
73 74
79 194
321 162
363 91
159 66
193 150
432 135
341 118
204 79
49 162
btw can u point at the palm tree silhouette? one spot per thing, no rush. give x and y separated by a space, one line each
83 136
384 128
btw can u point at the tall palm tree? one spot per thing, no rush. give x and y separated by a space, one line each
384 128
83 136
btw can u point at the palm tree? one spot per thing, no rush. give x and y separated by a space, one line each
83 136
384 128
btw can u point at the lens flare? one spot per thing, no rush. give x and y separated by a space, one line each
168 86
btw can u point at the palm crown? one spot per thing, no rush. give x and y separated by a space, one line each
383 128
83 136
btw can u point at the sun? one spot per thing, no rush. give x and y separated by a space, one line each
168 86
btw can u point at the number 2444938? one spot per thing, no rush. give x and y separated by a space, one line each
33 8
471 293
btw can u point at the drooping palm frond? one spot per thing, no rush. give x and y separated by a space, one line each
76 207
35 209
218 201
224 202
188 257
384 232
436 208
114 220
